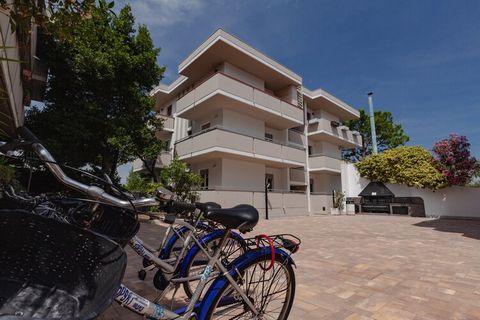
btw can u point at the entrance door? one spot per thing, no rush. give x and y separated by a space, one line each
269 181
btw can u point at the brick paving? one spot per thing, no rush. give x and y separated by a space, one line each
370 267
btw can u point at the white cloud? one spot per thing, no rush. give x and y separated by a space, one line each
165 13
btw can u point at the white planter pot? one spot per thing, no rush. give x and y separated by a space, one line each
334 211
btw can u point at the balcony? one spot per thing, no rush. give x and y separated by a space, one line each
222 91
298 177
322 129
163 159
219 142
324 164
168 122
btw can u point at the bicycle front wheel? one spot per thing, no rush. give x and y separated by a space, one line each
271 291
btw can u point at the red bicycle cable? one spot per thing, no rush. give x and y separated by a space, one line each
272 249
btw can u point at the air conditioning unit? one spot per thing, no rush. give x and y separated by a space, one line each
335 124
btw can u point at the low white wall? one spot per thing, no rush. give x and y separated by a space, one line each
279 204
447 202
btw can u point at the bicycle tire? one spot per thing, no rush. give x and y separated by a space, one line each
281 261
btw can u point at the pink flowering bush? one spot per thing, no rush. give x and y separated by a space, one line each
452 158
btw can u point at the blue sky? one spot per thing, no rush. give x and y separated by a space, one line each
421 58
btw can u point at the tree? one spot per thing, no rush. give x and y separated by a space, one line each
137 184
49 15
389 134
183 182
97 109
453 159
412 166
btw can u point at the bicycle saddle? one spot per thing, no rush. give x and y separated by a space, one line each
207 206
242 217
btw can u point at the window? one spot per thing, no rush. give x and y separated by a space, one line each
205 126
169 110
167 144
268 136
269 181
204 176
309 116
189 132
310 150
311 185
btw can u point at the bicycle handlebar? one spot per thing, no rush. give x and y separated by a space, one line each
92 191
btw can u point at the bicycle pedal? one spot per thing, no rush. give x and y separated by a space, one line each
142 274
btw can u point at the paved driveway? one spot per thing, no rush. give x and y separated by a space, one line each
371 267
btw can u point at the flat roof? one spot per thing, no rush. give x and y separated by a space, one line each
320 98
222 46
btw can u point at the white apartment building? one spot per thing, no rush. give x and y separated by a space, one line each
242 120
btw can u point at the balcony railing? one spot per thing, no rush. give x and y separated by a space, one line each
324 163
339 135
163 159
298 175
223 140
168 122
240 91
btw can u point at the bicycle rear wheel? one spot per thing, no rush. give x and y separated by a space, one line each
232 249
271 291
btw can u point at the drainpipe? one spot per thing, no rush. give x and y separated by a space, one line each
307 175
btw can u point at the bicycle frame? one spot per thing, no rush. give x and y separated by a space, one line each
136 303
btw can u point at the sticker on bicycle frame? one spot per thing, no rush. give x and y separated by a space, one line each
158 313
206 273
128 298
138 248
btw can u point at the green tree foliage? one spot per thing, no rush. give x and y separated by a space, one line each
137 184
98 111
183 182
49 14
389 134
412 166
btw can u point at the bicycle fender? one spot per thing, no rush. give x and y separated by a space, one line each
238 264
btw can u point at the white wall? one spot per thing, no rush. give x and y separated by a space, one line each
278 135
215 119
242 175
325 148
280 181
288 94
241 123
325 182
447 202
237 73
214 167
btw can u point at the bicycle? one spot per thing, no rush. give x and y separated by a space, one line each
234 289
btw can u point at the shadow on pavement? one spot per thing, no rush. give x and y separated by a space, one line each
468 228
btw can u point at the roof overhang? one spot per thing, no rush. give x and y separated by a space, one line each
222 46
320 99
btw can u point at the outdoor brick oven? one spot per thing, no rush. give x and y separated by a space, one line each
377 198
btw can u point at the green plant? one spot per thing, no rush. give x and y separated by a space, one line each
412 166
182 180
137 184
338 200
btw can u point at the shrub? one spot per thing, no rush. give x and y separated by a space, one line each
412 166
453 159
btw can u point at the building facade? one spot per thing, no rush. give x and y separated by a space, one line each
247 125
